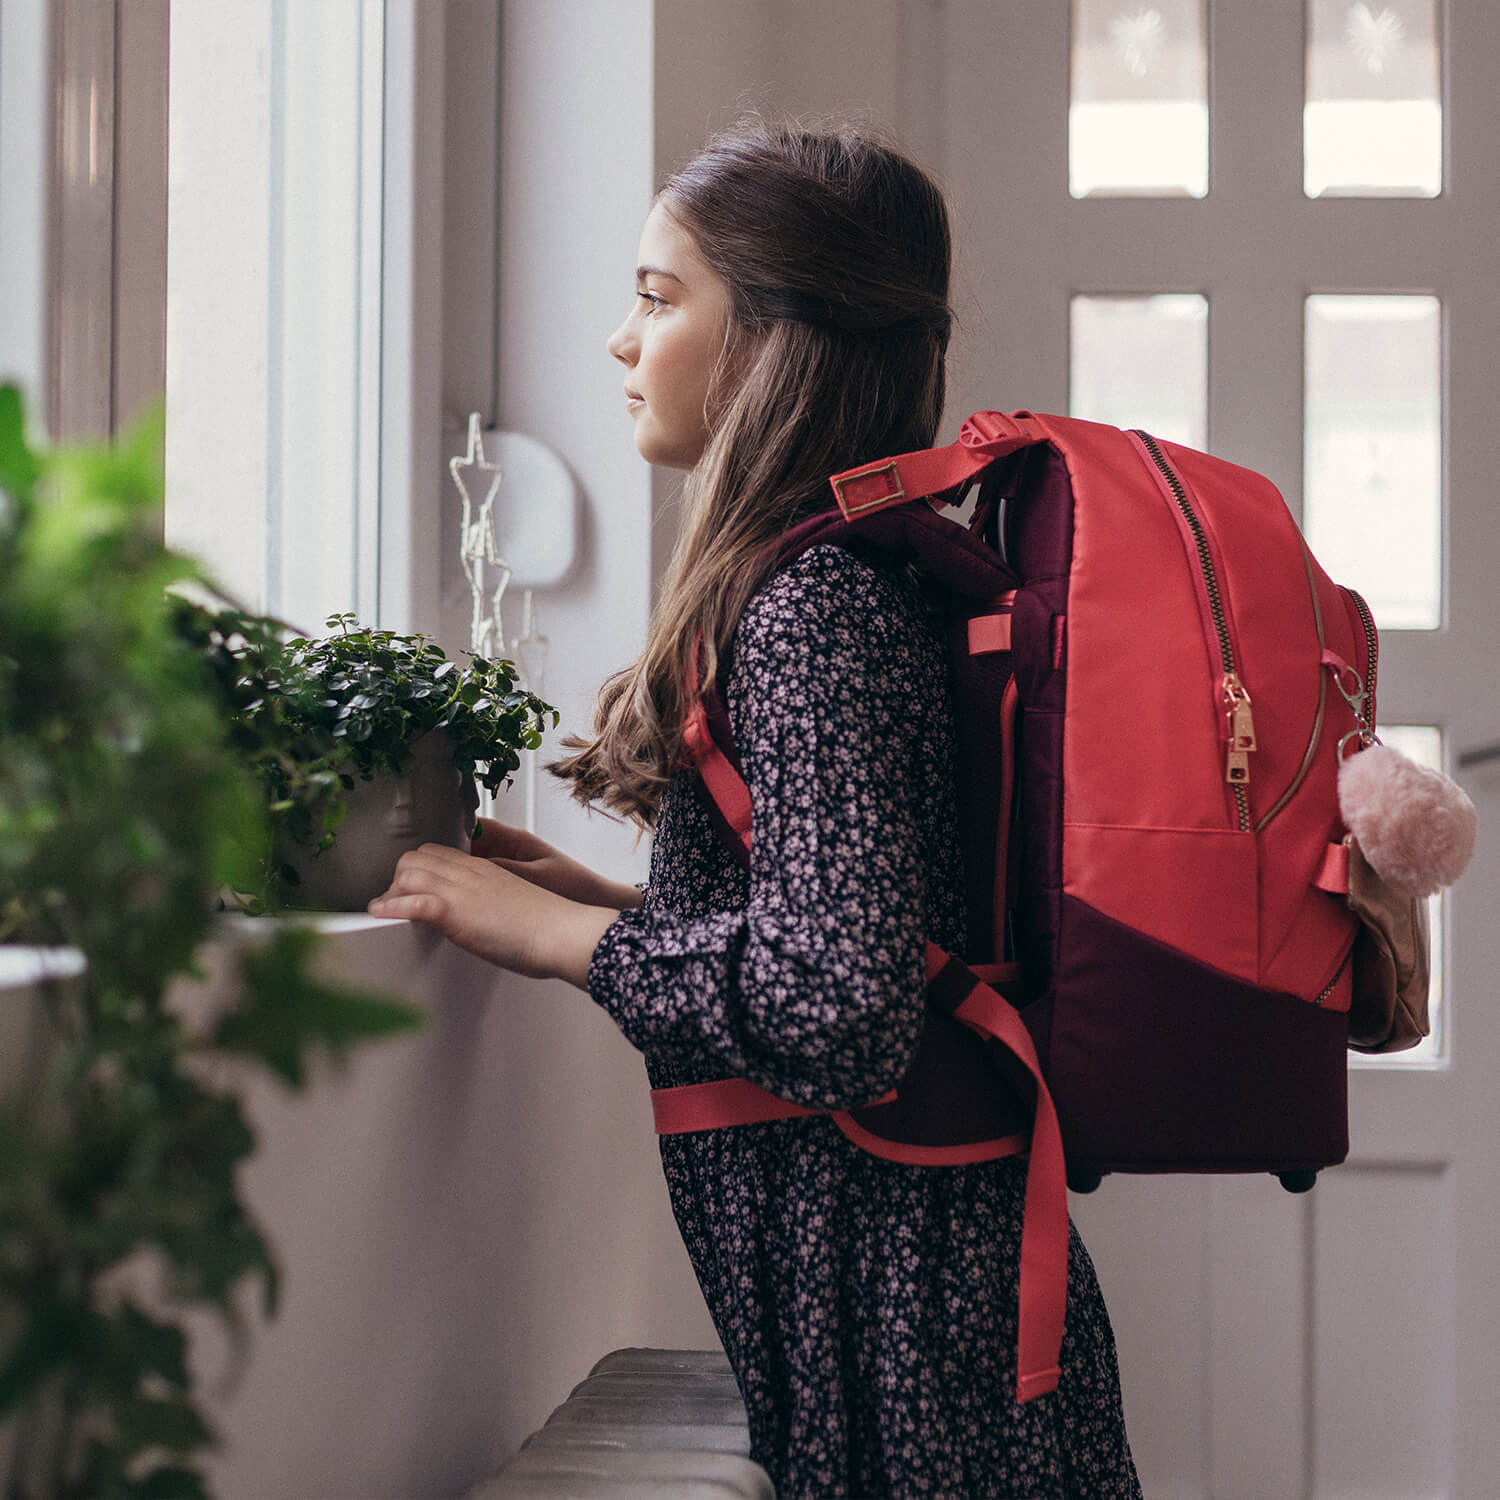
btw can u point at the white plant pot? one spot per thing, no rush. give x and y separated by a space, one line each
434 803
28 1048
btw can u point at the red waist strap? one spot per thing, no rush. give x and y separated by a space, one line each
724 1102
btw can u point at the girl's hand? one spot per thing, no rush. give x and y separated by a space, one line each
494 914
534 859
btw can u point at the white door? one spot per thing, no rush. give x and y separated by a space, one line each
1345 1343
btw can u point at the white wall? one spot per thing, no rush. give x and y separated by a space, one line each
601 1262
465 1220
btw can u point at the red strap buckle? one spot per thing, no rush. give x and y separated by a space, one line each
993 431
869 488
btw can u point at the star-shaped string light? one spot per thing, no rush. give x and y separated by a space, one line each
478 549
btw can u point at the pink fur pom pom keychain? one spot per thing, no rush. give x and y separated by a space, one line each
1414 825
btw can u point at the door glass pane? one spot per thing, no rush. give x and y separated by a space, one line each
1138 121
1424 744
1372 473
1142 362
1372 123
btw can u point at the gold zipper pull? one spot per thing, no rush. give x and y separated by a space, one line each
1241 730
1242 727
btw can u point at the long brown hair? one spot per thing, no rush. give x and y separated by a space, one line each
836 252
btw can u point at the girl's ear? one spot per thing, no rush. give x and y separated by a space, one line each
728 377
736 358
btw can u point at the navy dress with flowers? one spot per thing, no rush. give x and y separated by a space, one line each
868 1307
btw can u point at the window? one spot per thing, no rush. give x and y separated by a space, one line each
1372 484
274 301
1138 120
1142 362
1372 123
25 131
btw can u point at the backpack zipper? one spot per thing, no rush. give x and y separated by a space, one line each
1308 754
1372 649
1236 701
1322 996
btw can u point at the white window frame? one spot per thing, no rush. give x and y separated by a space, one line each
25 151
305 344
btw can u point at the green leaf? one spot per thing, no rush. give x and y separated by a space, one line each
153 1347
19 467
161 1422
55 1332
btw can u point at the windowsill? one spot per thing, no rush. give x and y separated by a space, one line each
395 959
237 923
390 956
22 967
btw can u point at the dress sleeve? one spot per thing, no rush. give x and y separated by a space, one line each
815 991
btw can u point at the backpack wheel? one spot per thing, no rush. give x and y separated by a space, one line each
1298 1182
1082 1181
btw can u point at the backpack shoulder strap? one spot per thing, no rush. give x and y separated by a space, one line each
708 744
984 437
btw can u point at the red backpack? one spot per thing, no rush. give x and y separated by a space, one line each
1152 678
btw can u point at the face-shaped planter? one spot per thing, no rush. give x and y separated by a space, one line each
434 803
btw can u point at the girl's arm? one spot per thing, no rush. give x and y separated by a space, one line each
534 859
816 991
498 915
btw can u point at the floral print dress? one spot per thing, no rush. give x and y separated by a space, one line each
868 1307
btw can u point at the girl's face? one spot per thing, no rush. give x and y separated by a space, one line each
670 343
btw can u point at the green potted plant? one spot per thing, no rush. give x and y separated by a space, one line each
123 806
364 744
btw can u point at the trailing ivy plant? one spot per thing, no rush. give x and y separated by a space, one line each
309 716
123 806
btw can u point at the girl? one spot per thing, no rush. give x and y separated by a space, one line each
790 321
